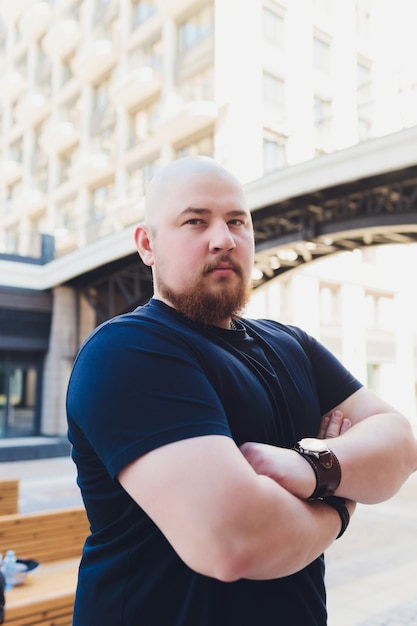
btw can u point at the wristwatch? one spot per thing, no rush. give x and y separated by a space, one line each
324 463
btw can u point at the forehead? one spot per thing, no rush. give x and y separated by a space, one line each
208 190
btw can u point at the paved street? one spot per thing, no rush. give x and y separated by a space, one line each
371 570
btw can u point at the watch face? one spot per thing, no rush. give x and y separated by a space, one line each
313 445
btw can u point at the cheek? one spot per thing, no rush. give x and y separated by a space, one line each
177 264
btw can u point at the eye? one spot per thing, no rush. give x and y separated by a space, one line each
195 221
236 222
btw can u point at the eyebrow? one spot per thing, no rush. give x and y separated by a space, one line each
202 211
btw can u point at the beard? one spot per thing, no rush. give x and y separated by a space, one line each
210 308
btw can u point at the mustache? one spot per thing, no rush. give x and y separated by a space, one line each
221 260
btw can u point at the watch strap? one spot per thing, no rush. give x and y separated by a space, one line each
340 505
326 468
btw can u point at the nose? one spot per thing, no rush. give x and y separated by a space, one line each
221 238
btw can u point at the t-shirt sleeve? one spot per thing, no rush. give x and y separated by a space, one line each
133 390
334 382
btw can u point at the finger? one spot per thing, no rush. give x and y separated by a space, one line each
335 424
346 424
323 427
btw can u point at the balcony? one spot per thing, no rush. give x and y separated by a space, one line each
92 168
191 118
95 59
11 85
172 9
59 136
62 37
11 10
32 109
136 87
35 19
29 202
10 171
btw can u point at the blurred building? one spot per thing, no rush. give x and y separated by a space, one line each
97 94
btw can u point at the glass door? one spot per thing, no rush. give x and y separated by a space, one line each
19 397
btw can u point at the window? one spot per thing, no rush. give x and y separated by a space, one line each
322 120
364 98
148 55
273 152
144 122
139 177
198 87
16 150
64 165
321 55
103 115
43 74
20 66
70 111
364 81
379 311
329 304
15 190
373 376
100 201
274 92
203 146
64 215
11 243
101 97
273 28
192 30
142 11
40 175
19 407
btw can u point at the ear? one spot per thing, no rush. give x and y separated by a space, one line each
144 245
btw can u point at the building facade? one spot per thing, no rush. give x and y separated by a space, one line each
98 94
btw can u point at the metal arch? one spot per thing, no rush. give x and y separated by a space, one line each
377 211
116 288
368 212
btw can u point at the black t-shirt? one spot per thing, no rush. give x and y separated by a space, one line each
152 377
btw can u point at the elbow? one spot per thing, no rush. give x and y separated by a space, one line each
242 558
225 564
408 450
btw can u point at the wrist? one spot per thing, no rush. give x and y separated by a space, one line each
324 463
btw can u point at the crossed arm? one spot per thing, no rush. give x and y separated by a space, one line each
231 515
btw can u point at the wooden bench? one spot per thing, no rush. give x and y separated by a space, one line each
55 539
9 496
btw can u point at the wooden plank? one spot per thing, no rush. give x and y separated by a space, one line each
9 496
54 538
47 597
45 536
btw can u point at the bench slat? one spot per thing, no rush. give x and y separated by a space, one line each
9 496
45 536
55 539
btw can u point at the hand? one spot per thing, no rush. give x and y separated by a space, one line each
286 467
333 425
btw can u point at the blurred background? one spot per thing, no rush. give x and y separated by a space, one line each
311 103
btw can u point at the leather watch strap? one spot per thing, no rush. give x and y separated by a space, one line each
326 468
340 505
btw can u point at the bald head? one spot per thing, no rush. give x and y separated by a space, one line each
176 175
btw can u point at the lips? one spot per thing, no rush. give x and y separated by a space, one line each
222 267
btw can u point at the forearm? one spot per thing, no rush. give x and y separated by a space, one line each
282 534
376 455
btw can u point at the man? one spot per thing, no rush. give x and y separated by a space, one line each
183 418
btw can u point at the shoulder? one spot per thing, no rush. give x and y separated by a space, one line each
273 328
